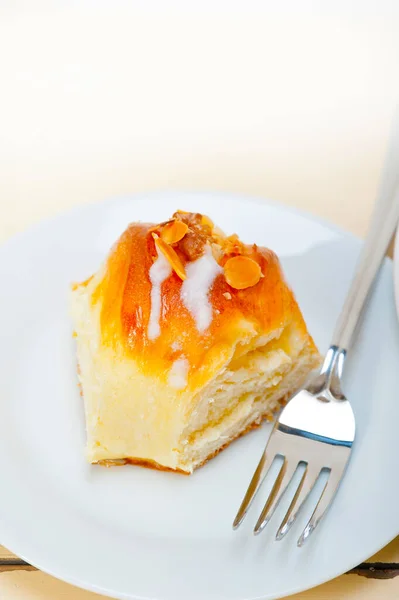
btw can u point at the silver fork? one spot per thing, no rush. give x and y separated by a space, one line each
317 427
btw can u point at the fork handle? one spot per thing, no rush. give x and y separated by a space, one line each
382 228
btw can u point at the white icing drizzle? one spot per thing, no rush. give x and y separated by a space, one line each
177 377
158 272
194 292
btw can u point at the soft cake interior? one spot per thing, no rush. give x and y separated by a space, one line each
258 380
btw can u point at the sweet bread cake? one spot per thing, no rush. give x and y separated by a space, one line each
186 339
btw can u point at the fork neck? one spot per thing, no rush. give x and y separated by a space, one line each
333 362
329 379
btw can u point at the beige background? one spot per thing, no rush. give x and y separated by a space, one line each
293 101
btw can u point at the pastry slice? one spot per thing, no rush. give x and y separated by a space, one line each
186 339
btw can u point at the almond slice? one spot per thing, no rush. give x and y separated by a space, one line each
174 231
217 251
242 272
171 256
233 245
207 221
157 228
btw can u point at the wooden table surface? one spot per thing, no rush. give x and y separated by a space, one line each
103 99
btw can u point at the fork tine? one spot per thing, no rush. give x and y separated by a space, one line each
324 502
280 485
264 465
305 486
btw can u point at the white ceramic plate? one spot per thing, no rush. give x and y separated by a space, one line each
136 533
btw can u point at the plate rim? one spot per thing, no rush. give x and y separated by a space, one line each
136 196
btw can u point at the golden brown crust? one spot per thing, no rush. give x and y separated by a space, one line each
139 462
123 295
